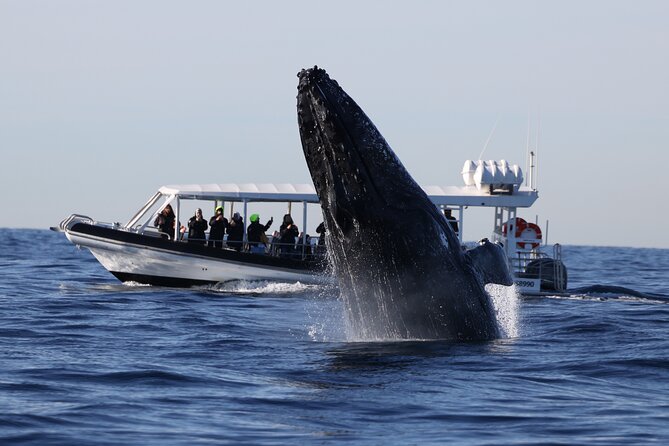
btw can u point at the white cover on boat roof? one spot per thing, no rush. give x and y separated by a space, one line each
482 173
249 191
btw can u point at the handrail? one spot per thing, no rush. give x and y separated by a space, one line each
299 250
557 267
64 225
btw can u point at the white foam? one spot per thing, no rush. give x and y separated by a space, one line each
132 284
263 287
506 301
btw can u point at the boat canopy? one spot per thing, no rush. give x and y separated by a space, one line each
244 192
284 192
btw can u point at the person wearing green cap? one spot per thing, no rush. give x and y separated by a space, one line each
217 223
255 231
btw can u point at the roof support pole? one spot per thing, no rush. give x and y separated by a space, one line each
246 239
304 228
143 210
461 215
176 219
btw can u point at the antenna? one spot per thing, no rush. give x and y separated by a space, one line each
536 148
489 138
531 169
527 146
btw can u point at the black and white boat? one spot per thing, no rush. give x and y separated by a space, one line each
137 251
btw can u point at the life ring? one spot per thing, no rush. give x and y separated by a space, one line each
530 232
520 226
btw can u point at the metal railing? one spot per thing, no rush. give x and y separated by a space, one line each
74 219
298 250
536 264
560 284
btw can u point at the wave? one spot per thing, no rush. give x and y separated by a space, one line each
616 292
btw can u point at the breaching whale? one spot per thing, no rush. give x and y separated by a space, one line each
401 270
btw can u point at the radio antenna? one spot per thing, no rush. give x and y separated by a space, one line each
527 146
489 138
536 148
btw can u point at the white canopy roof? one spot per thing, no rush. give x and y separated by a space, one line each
245 191
284 192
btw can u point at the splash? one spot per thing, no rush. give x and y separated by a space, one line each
506 301
131 284
326 314
261 287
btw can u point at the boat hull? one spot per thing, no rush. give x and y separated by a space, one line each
151 260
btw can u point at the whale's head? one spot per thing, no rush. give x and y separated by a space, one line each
359 180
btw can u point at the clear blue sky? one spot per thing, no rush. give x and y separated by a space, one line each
101 102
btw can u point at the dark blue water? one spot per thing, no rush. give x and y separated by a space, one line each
87 360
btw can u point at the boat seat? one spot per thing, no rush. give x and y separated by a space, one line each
260 249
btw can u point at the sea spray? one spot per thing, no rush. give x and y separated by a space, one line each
260 287
506 302
326 316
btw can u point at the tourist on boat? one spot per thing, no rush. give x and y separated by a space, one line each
165 222
256 232
451 221
320 248
236 232
196 227
320 230
217 223
287 234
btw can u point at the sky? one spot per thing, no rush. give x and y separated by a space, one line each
103 102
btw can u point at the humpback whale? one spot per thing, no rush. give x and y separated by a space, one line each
401 270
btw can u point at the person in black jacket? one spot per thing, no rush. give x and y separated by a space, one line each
256 231
217 223
320 229
236 232
196 227
165 221
287 234
451 221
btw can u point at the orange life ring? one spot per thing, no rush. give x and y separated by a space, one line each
520 226
535 234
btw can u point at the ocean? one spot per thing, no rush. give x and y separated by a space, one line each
88 360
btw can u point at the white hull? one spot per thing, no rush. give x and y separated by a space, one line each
128 259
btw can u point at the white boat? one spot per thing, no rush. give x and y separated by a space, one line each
137 251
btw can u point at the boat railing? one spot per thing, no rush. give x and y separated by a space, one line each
299 250
521 258
74 219
537 264
560 284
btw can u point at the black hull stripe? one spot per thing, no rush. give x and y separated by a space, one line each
299 266
174 282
